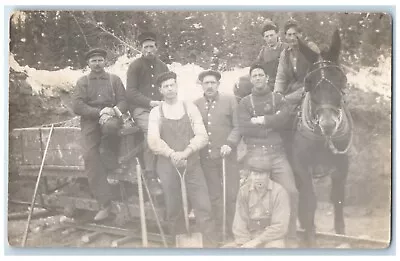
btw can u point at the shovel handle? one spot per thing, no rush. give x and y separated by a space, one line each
224 199
184 198
141 204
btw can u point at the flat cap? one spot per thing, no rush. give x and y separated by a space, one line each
269 25
259 164
256 66
290 23
209 72
165 76
146 36
96 51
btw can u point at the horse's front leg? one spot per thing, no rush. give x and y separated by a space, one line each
307 197
338 193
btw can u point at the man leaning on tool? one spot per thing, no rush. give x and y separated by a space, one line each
99 98
219 116
176 133
262 207
142 95
261 114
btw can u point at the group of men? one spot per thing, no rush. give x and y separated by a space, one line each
198 136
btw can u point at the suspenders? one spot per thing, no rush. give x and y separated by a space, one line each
254 108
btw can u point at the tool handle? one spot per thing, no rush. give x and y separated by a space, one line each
141 204
224 198
184 198
36 188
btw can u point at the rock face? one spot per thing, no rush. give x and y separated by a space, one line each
27 109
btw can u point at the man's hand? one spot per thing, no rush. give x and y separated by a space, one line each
225 150
258 120
178 158
251 244
104 118
154 103
107 110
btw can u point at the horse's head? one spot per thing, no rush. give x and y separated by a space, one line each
325 82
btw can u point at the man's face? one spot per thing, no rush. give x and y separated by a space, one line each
169 89
291 36
96 63
270 38
258 79
210 86
149 48
260 180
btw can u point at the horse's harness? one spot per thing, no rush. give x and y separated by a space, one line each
310 123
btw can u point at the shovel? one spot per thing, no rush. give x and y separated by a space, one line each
188 240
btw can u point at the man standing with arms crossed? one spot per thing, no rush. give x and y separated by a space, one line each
219 116
142 95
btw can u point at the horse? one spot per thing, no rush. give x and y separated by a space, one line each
323 135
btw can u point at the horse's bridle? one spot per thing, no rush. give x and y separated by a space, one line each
322 65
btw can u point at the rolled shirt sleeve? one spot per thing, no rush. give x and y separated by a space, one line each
156 144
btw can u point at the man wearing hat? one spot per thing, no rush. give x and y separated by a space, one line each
219 116
261 116
271 51
142 95
262 209
176 134
99 98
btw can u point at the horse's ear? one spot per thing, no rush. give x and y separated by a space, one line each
334 50
310 55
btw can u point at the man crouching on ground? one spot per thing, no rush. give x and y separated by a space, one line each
262 209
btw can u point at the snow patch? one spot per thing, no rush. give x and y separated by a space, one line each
368 79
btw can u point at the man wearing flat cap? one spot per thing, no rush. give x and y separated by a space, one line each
219 116
262 209
143 95
271 51
176 135
99 98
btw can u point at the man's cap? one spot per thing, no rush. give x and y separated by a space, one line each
260 164
209 72
165 76
94 52
146 36
290 23
256 66
269 25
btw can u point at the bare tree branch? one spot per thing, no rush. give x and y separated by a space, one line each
80 28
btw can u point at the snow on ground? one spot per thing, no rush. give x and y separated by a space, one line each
369 79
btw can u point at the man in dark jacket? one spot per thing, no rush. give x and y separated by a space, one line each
271 51
99 98
142 95
219 116
261 115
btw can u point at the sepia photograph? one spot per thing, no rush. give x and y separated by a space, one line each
201 129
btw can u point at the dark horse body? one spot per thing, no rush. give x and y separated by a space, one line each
323 136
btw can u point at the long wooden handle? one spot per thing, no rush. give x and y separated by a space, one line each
184 198
36 188
141 204
224 199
